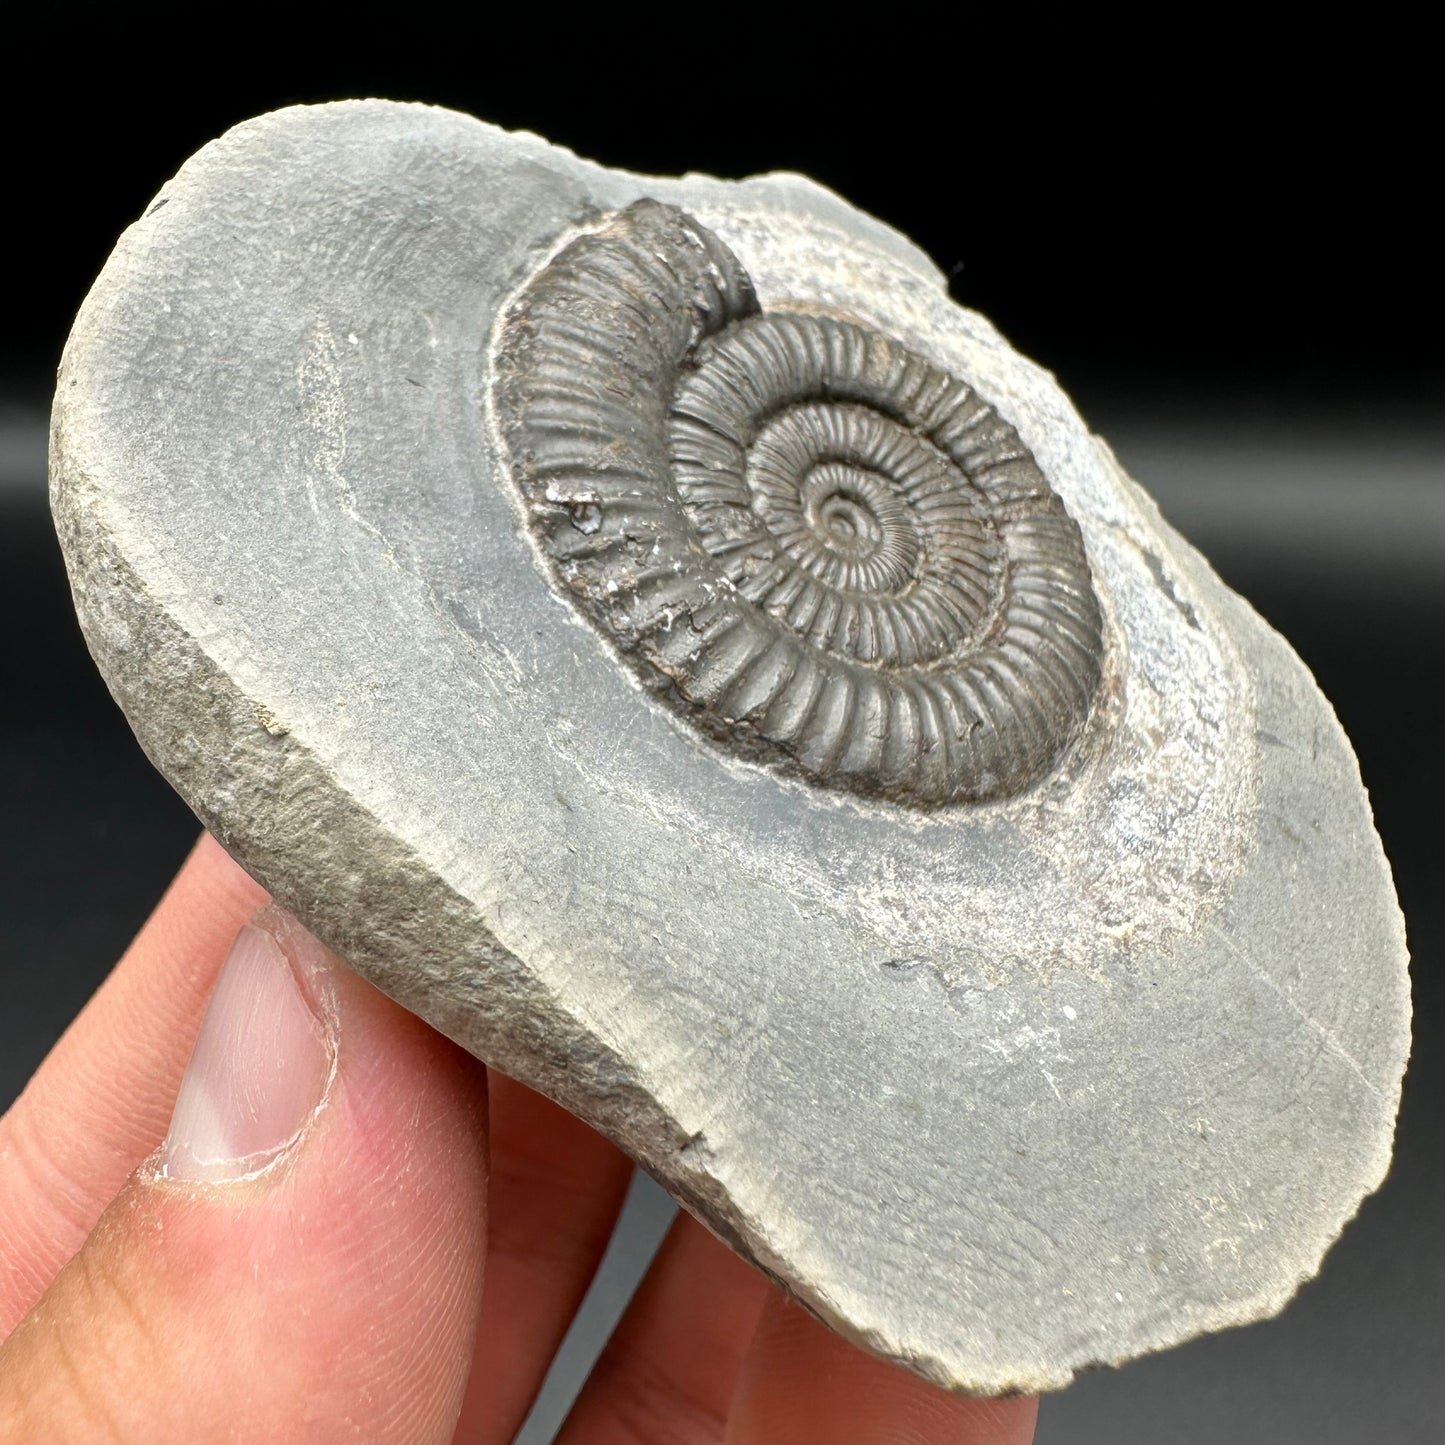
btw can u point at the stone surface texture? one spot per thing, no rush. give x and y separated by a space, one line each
1001 1090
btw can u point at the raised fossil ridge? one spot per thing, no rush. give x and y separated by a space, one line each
826 551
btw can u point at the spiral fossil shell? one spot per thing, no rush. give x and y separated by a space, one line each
825 550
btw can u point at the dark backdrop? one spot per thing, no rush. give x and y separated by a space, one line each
1219 243
1197 209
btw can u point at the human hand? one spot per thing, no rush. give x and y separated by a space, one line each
286 1240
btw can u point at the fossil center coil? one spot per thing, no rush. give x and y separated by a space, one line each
820 548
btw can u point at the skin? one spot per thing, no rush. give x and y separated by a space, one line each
403 1271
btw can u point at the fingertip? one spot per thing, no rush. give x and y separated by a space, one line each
100 1102
210 891
306 1247
802 1383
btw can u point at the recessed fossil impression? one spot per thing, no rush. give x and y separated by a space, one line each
828 551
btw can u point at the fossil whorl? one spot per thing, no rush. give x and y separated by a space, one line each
816 544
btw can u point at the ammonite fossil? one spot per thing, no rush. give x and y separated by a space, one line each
651 631
826 546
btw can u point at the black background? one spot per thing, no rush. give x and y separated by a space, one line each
1203 209
1211 235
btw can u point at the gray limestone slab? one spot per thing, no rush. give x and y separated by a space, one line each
1019 1004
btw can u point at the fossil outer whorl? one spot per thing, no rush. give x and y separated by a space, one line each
822 548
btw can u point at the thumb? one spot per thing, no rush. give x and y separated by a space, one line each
302 1258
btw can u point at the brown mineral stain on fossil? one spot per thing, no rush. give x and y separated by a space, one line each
825 551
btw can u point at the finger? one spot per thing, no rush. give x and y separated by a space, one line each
667 1374
100 1102
301 1260
801 1383
555 1191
